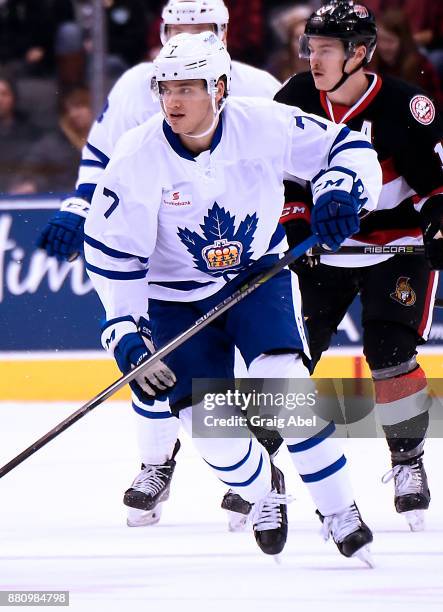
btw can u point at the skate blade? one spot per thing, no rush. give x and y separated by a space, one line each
364 555
277 558
143 518
237 522
415 519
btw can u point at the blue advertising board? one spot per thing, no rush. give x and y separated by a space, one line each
46 305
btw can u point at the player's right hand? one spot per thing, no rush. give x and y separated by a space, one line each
335 218
131 345
63 235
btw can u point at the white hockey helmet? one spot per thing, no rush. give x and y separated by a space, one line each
191 57
189 12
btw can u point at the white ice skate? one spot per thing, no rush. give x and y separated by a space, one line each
412 496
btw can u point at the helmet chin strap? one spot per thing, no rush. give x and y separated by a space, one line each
217 112
345 76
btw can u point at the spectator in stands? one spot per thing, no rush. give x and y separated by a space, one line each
16 134
397 54
126 22
27 32
426 19
52 163
245 33
288 26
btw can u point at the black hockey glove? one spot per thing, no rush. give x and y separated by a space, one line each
432 228
295 220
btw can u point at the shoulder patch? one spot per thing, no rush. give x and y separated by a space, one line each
422 109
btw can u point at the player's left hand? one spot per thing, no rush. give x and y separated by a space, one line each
335 217
432 227
434 249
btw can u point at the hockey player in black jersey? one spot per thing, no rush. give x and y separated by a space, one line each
397 293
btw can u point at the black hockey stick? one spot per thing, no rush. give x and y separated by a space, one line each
246 289
374 249
384 249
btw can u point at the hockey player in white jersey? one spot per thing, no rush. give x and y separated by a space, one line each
188 202
130 104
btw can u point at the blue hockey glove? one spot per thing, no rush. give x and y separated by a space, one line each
63 235
131 345
335 218
338 196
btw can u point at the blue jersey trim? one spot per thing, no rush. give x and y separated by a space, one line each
328 471
277 236
115 275
92 163
217 134
343 133
336 168
99 154
230 468
86 191
356 144
112 252
148 414
182 285
177 145
250 480
313 441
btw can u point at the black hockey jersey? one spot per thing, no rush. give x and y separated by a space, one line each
405 130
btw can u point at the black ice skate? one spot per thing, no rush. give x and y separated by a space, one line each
148 491
238 510
412 495
269 516
351 535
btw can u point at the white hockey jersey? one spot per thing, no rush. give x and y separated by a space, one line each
167 225
130 103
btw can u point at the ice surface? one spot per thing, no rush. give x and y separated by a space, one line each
63 528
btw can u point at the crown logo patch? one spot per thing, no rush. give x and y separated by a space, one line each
220 248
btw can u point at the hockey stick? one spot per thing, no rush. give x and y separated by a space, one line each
384 249
243 291
374 249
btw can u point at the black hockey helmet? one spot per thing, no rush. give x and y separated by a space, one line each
350 22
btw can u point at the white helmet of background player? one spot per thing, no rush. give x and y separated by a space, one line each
189 12
194 57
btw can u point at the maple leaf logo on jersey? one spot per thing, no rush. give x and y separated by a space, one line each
221 249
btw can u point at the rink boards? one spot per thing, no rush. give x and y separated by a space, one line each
50 319
79 377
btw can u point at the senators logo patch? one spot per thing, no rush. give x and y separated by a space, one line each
422 109
404 294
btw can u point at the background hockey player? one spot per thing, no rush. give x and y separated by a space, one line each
397 292
208 154
130 103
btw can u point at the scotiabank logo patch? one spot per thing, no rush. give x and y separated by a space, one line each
177 198
422 109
